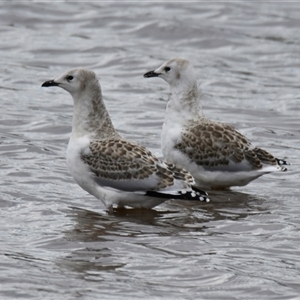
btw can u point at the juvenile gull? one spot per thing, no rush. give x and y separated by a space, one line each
216 154
113 169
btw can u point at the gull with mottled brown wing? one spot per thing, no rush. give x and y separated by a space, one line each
116 171
216 154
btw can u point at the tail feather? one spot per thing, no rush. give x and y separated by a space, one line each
193 195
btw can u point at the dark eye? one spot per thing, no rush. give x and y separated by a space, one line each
167 69
70 77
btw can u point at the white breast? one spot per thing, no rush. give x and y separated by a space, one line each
76 166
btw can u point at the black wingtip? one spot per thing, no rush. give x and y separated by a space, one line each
194 196
151 74
49 83
282 163
182 195
199 191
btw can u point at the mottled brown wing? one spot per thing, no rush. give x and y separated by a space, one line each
181 174
118 160
218 146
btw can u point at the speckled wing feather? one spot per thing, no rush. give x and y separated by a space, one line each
217 146
127 166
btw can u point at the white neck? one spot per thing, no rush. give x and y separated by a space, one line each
184 103
90 116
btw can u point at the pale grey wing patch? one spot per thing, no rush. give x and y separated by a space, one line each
217 146
126 166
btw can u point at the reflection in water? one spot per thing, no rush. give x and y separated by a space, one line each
235 205
225 205
105 236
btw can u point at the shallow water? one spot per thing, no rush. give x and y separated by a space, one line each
57 242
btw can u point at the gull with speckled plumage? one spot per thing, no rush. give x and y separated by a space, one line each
116 171
216 154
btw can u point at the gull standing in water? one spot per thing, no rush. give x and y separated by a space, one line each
216 154
116 171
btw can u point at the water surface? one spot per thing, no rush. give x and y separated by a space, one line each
58 242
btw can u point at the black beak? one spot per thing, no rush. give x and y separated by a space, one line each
49 83
151 74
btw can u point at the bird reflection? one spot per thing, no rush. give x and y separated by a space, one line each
169 218
105 240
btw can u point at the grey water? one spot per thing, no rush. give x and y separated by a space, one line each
57 241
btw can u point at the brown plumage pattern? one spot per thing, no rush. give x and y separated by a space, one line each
118 159
215 144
